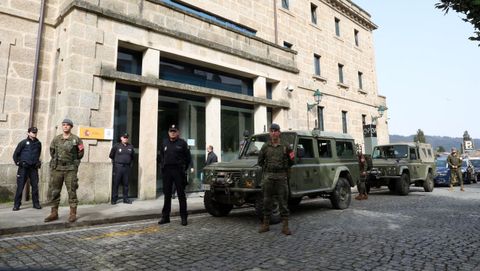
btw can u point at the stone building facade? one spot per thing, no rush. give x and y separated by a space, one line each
215 68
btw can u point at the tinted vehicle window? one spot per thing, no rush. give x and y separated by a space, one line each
344 149
324 148
397 151
413 154
307 145
255 143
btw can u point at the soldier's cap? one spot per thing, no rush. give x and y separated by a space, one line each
68 121
172 127
33 130
274 127
124 135
454 150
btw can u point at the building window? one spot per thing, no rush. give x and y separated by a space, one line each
340 73
129 61
337 27
364 119
344 122
269 90
211 17
287 44
355 34
313 13
177 71
285 4
360 80
321 126
316 63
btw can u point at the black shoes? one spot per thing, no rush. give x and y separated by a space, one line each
127 201
184 221
113 202
37 206
164 220
16 208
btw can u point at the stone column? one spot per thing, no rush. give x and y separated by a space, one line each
260 111
147 165
213 133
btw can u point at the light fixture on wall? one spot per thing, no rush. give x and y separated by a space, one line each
318 98
381 110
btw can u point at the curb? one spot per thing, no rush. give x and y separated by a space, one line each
67 225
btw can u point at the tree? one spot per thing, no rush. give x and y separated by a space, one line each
470 8
420 137
440 149
466 136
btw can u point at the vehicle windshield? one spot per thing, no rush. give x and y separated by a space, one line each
464 163
475 162
441 163
255 143
395 151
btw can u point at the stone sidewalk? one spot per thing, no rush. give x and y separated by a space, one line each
29 219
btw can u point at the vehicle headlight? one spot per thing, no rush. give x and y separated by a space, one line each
254 173
245 174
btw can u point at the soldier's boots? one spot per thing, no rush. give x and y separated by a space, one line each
265 225
461 189
451 188
53 215
73 215
285 229
359 197
365 196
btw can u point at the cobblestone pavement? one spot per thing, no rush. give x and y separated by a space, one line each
421 231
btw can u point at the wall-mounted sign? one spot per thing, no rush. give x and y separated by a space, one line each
95 133
369 130
468 145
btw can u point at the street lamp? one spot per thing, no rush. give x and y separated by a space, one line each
317 95
381 110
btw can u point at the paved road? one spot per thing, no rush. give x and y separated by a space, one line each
421 231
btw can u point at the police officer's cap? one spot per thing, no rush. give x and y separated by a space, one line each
68 121
173 127
33 130
275 126
124 135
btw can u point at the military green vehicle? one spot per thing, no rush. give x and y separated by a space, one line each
325 165
401 164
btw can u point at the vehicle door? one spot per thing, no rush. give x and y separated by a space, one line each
304 174
326 163
414 165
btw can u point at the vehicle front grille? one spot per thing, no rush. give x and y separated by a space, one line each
227 177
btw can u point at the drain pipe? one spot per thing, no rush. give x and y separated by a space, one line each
275 21
37 61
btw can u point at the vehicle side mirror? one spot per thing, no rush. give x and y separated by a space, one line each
300 152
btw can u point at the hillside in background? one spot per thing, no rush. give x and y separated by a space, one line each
436 141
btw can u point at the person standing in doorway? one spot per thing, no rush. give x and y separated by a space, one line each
275 158
455 164
174 159
66 151
27 157
122 155
211 156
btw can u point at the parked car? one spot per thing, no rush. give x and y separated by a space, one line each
476 164
442 178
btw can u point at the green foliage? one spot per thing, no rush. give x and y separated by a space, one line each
420 137
471 10
440 149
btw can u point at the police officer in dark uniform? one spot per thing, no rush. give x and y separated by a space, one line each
27 158
174 159
122 157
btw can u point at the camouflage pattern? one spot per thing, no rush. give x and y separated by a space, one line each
455 165
275 161
66 155
361 183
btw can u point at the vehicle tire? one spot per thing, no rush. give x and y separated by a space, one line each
215 208
341 195
403 184
274 218
428 184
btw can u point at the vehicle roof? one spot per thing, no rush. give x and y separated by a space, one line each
317 133
410 144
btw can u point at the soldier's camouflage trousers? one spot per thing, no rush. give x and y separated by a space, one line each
455 176
361 185
57 178
275 187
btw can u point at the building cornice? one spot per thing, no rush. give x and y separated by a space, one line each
348 11
111 73
142 23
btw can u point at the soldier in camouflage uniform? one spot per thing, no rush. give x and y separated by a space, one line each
66 151
455 164
275 158
361 183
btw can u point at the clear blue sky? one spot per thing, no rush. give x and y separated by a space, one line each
426 67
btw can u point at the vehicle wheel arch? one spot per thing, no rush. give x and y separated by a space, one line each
343 172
